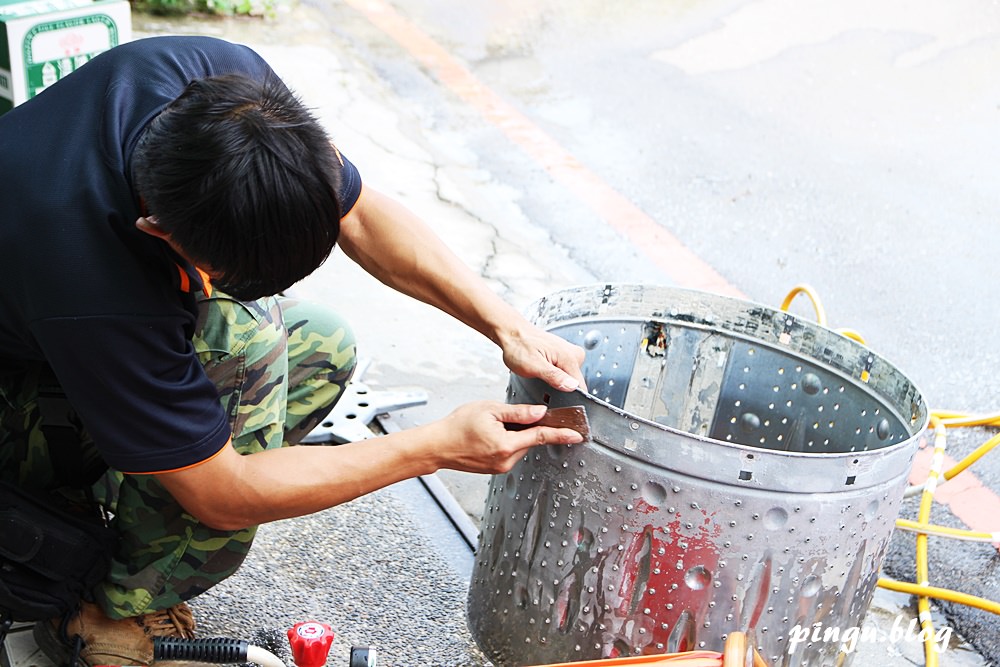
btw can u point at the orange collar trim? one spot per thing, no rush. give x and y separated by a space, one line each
206 282
185 280
185 285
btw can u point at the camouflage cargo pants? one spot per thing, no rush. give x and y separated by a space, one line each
279 365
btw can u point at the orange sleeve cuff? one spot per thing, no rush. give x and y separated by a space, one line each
187 467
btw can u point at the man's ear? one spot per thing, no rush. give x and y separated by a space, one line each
151 226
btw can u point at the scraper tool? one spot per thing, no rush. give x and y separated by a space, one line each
572 417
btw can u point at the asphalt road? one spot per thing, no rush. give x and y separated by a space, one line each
830 143
848 146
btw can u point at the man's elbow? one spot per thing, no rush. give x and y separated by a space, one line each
214 494
218 518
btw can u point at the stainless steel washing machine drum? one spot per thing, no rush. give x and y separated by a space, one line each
744 474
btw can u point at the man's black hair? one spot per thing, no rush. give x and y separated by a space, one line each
245 180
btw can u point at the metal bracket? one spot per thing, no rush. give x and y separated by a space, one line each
352 415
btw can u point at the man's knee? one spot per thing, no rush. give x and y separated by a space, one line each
320 341
321 359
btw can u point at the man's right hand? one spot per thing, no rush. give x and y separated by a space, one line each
474 437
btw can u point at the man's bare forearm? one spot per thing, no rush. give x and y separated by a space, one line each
230 491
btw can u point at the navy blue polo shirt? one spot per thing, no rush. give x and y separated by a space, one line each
80 286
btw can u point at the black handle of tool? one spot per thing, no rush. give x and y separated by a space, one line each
219 650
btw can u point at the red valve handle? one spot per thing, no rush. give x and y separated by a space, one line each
310 642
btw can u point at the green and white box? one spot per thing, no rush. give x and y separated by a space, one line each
41 41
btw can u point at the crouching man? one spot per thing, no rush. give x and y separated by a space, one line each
174 189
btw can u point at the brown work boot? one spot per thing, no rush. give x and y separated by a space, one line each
128 641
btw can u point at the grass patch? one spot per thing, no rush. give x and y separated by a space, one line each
211 7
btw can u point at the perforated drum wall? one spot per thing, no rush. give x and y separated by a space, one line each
745 471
